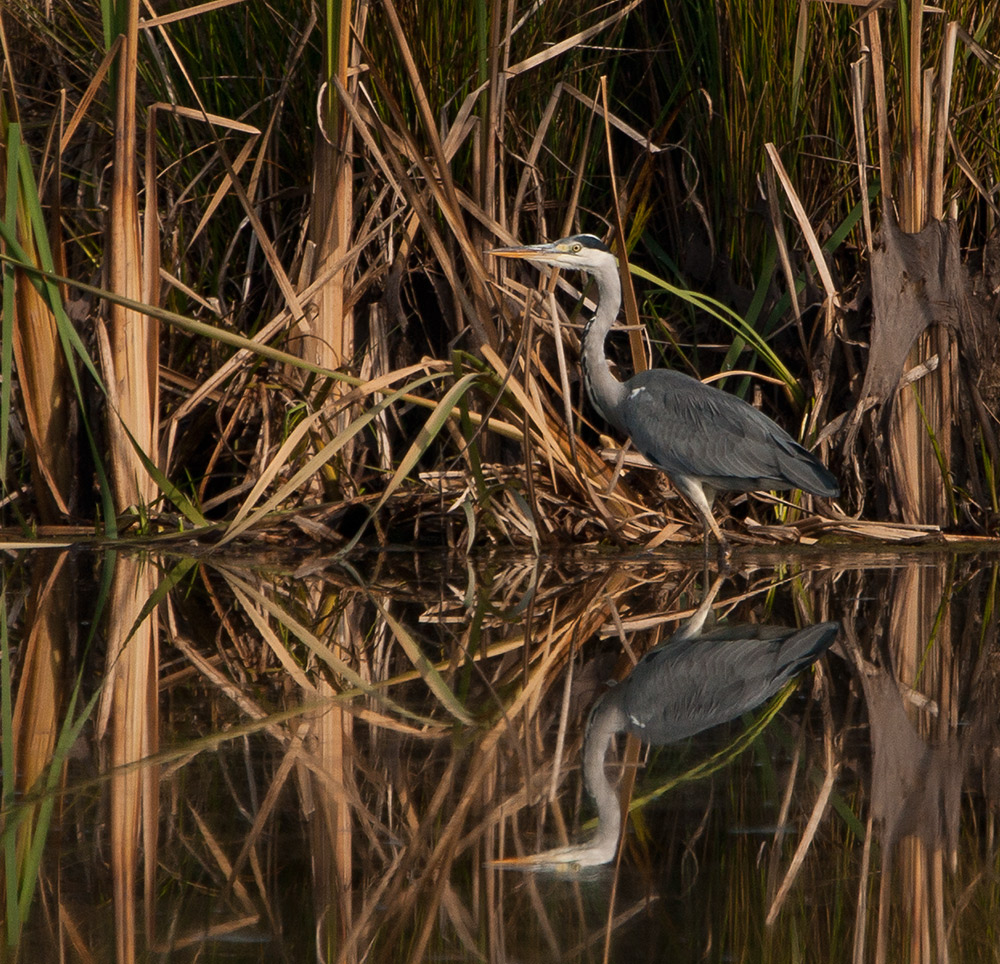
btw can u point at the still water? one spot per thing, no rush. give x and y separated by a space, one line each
289 759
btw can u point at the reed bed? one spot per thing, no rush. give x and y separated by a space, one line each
255 296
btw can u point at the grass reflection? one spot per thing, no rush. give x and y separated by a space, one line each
283 761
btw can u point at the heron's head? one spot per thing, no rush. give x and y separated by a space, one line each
581 252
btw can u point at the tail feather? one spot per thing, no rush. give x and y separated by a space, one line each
807 473
800 649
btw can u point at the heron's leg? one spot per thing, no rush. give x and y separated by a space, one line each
725 552
701 497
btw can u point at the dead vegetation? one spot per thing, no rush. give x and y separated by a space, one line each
209 336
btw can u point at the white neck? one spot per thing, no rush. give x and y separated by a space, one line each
606 719
605 391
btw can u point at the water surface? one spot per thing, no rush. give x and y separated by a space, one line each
270 759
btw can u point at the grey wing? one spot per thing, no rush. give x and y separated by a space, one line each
691 429
684 688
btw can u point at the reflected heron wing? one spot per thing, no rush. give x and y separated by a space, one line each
683 688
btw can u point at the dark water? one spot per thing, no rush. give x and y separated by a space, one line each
287 759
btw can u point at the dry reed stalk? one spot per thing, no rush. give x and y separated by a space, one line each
555 50
941 120
819 808
925 417
327 337
922 429
815 248
46 398
782 817
268 468
917 760
130 350
43 373
258 606
629 304
225 868
72 935
442 186
130 700
577 460
331 739
39 703
212 121
208 936
859 82
861 914
630 764
461 920
216 679
268 806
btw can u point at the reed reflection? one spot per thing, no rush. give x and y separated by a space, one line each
698 679
348 749
927 667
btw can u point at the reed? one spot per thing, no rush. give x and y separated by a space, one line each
284 239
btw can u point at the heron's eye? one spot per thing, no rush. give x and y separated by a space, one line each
577 247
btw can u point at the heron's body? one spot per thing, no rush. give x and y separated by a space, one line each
685 687
715 438
691 683
704 439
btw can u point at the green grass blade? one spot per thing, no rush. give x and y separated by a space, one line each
434 680
174 494
441 413
733 321
7 329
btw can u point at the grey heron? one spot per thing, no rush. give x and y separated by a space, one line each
704 439
690 683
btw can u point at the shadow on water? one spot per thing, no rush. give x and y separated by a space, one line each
215 759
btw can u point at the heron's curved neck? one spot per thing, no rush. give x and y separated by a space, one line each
606 719
605 391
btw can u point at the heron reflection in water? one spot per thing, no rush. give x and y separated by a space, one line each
696 680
